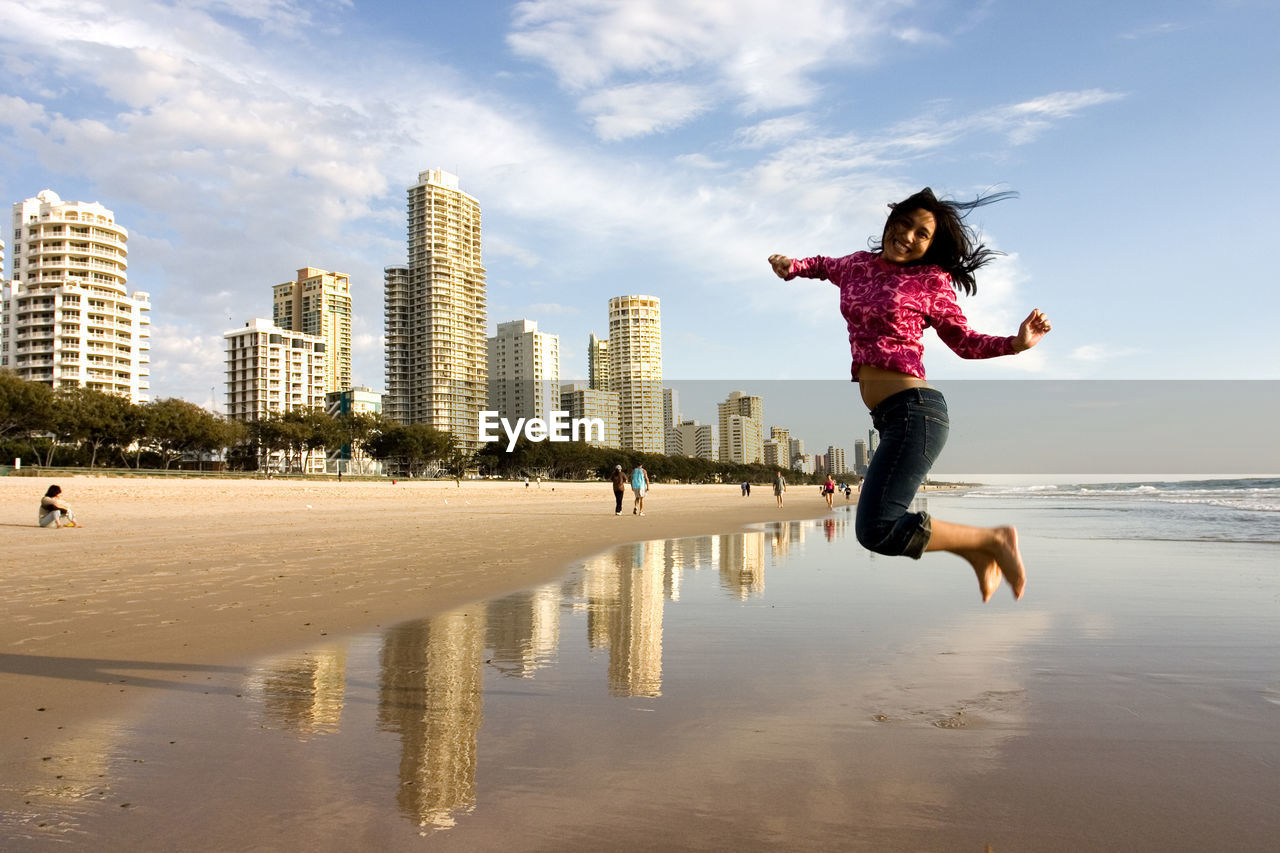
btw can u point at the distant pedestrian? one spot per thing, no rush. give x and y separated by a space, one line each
619 488
639 487
779 487
829 490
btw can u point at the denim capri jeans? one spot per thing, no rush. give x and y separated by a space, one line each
913 427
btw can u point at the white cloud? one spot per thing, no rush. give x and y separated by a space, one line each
752 54
1099 353
1155 30
700 161
639 109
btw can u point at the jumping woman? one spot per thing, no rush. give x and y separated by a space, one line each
888 296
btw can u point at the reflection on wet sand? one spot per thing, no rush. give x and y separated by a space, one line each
430 672
303 694
430 696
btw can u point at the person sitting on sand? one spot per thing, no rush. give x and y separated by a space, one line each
54 511
888 297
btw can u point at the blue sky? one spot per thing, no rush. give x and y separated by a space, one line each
668 148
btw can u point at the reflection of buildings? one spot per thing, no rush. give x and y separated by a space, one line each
303 694
624 591
742 563
524 630
635 648
430 696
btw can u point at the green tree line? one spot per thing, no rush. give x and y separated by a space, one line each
76 426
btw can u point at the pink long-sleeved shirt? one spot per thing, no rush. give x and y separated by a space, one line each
888 306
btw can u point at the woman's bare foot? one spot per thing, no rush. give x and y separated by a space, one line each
991 551
1001 559
987 570
1009 559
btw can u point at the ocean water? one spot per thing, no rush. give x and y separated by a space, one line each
1231 509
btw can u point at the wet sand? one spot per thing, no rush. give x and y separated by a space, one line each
170 577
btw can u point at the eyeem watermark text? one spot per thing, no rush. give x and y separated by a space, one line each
559 427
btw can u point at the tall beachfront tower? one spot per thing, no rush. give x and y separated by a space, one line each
69 318
635 370
524 371
318 303
435 309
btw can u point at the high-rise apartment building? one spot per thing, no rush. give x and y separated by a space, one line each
690 438
524 371
635 370
835 461
271 370
740 440
582 402
670 408
743 443
436 350
67 316
775 454
781 437
598 363
860 458
318 303
797 449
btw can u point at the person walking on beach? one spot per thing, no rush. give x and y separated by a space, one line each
619 488
54 510
888 296
779 487
828 490
640 487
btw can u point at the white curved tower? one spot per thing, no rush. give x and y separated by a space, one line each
635 370
69 318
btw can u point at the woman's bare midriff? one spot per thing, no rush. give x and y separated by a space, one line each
876 383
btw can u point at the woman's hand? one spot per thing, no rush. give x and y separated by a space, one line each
1035 327
781 265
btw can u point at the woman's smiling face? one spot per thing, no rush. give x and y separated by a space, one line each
908 236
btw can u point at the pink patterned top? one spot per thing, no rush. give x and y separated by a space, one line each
888 306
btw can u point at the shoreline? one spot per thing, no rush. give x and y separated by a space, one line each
173 577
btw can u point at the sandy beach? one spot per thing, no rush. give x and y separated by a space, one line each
169 575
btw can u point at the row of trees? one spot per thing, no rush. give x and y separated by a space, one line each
82 427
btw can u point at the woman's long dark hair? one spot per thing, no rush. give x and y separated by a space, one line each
953 247
53 492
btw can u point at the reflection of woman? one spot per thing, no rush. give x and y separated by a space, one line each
54 511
